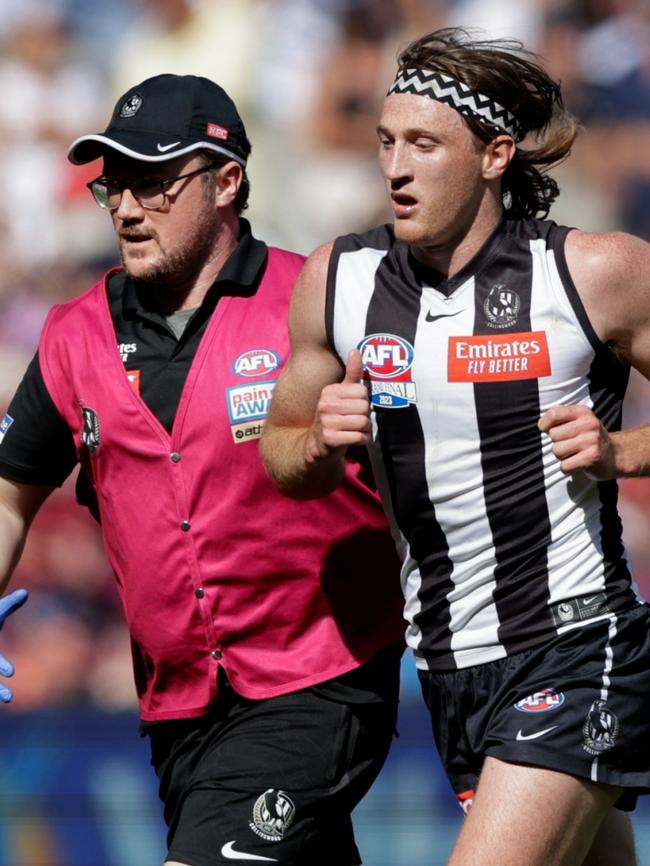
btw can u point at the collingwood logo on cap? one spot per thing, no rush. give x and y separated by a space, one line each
131 106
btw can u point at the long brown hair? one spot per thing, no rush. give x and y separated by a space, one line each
503 70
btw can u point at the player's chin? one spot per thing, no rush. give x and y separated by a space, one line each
410 231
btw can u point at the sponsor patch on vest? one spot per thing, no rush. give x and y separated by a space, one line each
90 431
248 406
134 380
387 361
256 362
488 358
5 424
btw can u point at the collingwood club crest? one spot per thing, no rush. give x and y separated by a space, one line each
131 105
273 814
501 307
600 729
90 431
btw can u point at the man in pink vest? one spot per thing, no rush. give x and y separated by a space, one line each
266 633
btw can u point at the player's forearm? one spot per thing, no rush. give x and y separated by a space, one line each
290 466
631 452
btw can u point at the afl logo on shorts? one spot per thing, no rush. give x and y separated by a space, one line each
540 702
256 362
273 814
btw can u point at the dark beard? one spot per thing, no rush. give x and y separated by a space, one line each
168 282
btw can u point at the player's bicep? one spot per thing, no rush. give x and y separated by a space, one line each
312 365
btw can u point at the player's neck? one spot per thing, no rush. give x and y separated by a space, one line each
451 253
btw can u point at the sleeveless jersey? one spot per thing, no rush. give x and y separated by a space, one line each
215 567
501 550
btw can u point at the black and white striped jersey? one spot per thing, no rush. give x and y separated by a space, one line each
501 550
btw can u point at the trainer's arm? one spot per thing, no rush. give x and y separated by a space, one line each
612 275
18 505
318 408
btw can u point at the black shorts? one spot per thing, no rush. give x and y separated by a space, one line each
578 704
277 779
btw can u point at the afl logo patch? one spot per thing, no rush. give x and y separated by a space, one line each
273 814
256 362
131 106
501 307
540 702
385 356
387 361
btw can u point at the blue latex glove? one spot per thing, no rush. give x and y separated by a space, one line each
8 604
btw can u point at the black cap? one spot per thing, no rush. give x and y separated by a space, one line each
168 116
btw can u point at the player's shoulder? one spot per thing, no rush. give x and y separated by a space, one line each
380 237
606 256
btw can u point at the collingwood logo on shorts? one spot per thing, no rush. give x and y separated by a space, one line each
501 307
90 432
600 729
273 814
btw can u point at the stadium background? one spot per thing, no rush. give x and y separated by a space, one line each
308 75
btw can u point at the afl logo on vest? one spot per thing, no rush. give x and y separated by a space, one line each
256 362
387 361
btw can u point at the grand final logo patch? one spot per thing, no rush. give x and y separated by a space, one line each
387 361
273 814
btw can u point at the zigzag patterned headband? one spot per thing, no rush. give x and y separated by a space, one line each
455 94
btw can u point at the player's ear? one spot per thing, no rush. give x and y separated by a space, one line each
498 155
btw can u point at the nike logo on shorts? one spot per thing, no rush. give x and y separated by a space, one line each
163 147
228 851
536 735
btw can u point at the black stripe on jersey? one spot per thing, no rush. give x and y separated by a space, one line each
394 309
380 238
608 379
511 457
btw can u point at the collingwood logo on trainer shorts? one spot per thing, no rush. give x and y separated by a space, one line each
273 814
90 432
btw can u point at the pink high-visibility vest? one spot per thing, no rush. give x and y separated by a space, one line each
214 566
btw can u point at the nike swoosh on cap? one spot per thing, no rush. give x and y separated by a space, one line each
536 735
228 851
163 147
430 318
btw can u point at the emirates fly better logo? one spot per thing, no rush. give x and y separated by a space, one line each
387 361
487 358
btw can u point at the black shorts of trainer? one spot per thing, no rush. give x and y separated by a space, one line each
577 704
276 780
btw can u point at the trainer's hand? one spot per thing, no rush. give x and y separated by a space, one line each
342 415
8 604
580 441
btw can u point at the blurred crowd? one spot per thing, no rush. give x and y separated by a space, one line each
309 77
